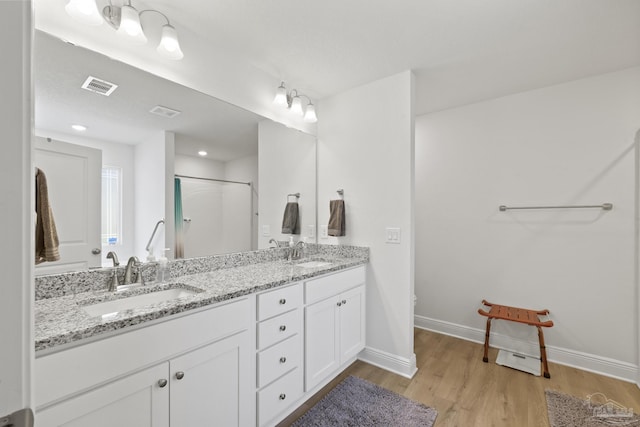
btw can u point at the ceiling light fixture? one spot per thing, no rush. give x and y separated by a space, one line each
125 20
293 101
79 128
202 153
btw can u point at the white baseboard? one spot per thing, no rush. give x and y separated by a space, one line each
563 356
390 362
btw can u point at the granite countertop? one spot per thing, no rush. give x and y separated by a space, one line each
62 321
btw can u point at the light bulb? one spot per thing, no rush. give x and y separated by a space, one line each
296 106
169 45
130 25
310 114
281 96
84 11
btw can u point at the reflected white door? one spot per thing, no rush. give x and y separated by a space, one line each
74 182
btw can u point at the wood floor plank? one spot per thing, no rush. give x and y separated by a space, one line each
466 392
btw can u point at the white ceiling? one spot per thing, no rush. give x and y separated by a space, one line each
225 131
461 51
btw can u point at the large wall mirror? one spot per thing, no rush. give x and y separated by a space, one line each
139 164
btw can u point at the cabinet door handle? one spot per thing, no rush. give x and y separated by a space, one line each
283 328
344 302
339 303
283 301
283 359
162 383
179 375
282 396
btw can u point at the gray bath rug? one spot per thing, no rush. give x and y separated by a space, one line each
358 403
594 411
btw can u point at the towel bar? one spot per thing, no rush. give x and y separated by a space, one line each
604 206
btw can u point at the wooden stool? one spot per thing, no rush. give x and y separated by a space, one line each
521 315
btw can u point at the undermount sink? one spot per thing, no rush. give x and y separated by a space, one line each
111 308
313 264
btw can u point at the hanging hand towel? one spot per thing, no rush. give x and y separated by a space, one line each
46 233
290 219
336 218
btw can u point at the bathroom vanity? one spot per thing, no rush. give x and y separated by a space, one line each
252 344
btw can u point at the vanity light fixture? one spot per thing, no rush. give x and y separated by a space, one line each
293 101
125 20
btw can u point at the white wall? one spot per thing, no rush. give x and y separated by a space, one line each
150 196
562 145
244 169
287 165
16 209
365 146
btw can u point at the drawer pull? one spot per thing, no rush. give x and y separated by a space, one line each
162 383
283 328
283 301
282 396
283 359
179 375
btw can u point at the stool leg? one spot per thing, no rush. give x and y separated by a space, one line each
543 353
485 359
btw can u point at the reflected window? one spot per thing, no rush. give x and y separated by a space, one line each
111 205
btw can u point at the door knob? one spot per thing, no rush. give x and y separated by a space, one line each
96 251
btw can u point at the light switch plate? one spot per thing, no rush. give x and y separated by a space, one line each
393 235
324 232
266 231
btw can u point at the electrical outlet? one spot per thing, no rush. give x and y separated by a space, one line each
324 232
393 235
266 231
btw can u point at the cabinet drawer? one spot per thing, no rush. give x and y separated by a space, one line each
279 301
278 328
277 360
325 287
278 396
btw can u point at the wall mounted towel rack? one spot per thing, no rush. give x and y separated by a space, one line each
604 206
296 195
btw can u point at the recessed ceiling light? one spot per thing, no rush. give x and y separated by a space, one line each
202 153
79 128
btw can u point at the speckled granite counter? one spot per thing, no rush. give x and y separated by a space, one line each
61 320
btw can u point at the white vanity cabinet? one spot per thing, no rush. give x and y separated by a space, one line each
334 323
181 372
279 373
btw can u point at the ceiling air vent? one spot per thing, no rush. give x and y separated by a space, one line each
99 86
164 111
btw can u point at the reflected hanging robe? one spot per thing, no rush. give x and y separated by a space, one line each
46 235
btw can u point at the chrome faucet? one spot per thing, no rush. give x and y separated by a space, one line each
113 286
129 277
294 251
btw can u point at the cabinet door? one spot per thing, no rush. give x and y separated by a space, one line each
322 355
134 401
352 331
210 386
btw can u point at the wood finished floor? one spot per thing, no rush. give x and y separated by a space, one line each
467 392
